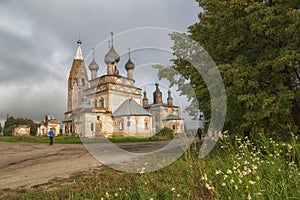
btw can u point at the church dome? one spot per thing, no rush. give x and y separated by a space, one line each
112 56
93 65
129 65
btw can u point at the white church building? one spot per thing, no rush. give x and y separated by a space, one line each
111 104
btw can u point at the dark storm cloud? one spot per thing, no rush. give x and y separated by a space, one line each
38 41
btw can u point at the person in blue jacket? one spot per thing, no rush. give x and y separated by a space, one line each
51 135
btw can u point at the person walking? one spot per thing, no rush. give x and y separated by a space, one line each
51 135
199 133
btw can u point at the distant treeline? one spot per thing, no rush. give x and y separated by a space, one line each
12 122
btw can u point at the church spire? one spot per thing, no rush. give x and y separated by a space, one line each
78 55
112 59
129 66
170 99
145 99
157 95
93 66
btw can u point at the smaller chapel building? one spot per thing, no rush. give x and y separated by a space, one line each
111 104
48 122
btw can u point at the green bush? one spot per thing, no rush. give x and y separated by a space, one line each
166 132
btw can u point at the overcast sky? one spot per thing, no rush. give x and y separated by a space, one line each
38 42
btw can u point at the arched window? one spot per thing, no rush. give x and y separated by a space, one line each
83 83
76 81
146 122
96 103
92 126
121 125
101 102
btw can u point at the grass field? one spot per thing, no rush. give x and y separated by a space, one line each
77 140
260 168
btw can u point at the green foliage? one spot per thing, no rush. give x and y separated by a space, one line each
0 128
256 46
166 132
11 122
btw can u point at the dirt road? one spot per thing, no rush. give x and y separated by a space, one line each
29 164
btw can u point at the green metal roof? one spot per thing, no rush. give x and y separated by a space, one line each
130 108
172 117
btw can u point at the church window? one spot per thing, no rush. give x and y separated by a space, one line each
83 83
146 125
92 126
174 127
121 126
76 81
101 102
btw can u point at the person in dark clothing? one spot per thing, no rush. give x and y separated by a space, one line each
199 133
51 135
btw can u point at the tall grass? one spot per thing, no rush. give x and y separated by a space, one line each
238 168
261 168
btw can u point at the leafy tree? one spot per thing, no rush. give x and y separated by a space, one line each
0 128
256 46
11 122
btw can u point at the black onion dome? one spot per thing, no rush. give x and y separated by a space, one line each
129 65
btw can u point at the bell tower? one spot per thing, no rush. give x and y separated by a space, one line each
78 80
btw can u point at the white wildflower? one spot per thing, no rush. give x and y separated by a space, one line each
249 197
208 186
204 177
